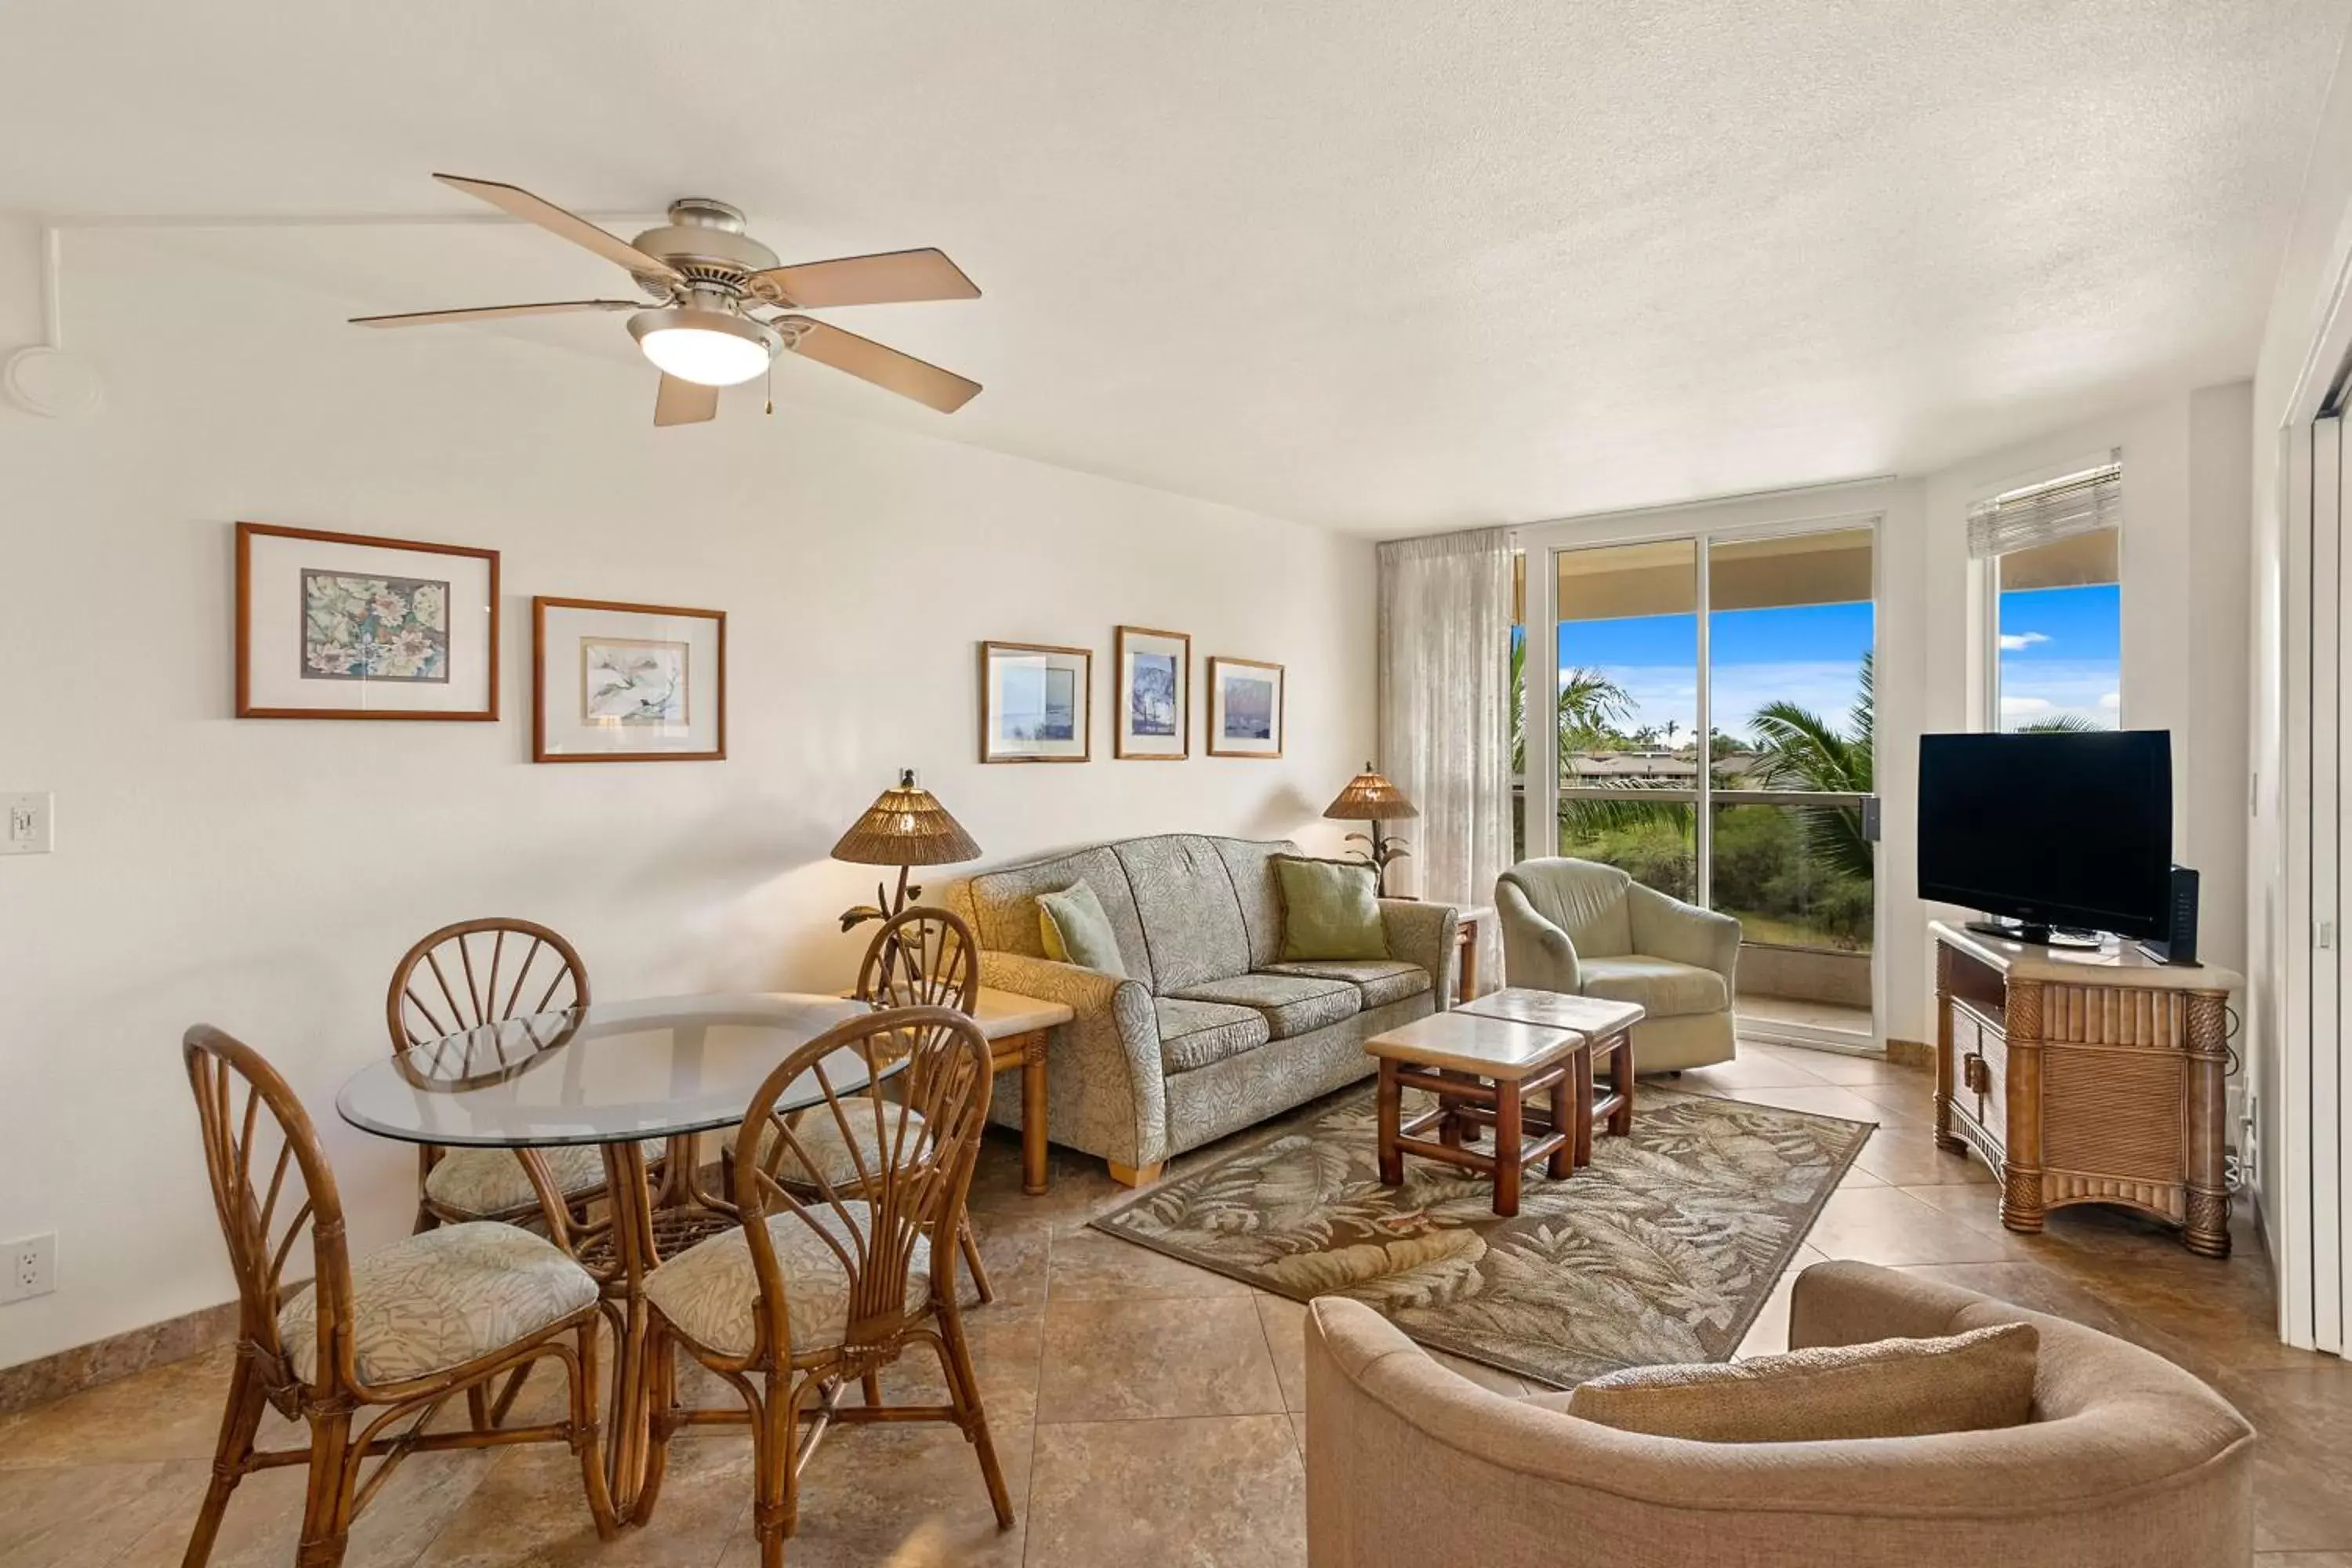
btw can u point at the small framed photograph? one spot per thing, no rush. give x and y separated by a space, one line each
1244 707
626 683
348 626
1155 696
1036 704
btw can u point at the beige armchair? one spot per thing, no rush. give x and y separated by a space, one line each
2128 1461
1589 930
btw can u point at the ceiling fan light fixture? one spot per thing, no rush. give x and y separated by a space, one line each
709 348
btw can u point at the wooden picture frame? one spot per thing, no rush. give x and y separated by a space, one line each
1002 660
680 716
304 606
1224 739
1143 733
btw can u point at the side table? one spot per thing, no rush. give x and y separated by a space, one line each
1018 1029
1465 944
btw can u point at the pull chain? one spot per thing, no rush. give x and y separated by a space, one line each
771 386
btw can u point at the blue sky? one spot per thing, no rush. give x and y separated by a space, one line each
1806 654
2061 654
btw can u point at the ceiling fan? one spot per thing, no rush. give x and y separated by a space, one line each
707 279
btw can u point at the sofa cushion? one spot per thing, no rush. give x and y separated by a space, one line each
1330 909
1291 1004
1249 861
1886 1388
1075 930
1191 916
1666 989
1196 1033
1380 980
1001 905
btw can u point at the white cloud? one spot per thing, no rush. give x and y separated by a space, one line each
2024 707
2018 642
2111 700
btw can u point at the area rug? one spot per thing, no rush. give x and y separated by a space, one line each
1663 1250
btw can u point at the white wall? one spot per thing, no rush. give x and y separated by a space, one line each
264 876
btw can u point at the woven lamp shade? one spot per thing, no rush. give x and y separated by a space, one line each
905 826
1369 797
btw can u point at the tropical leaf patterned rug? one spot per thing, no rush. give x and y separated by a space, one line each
1663 1250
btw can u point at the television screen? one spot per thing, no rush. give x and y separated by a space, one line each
2071 830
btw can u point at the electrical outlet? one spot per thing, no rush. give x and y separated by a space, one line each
32 1267
28 824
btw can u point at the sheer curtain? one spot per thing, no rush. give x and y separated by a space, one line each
1444 696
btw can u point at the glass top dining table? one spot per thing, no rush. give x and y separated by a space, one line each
609 1072
616 1075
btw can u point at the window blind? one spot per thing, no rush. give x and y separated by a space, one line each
2045 513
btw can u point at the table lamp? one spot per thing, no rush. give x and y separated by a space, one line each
1371 798
904 827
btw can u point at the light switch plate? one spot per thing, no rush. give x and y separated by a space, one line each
28 824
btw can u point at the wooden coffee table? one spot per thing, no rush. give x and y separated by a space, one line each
1606 1027
1483 1070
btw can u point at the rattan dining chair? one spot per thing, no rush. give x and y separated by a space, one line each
921 957
461 977
810 1293
366 1354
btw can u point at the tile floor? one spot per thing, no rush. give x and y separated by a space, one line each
1148 1412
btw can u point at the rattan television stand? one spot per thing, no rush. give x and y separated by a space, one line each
2086 1077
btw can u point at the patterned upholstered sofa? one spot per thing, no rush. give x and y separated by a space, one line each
1211 1032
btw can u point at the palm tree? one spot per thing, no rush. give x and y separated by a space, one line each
2061 724
1802 751
1591 707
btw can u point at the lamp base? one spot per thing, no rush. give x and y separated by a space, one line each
883 908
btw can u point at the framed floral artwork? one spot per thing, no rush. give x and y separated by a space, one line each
1244 707
348 626
1155 695
626 683
1036 704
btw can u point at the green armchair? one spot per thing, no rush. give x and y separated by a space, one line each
1589 930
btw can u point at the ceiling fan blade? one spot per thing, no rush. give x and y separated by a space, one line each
493 312
887 279
685 402
885 367
571 227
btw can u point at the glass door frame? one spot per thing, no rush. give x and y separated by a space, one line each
1541 794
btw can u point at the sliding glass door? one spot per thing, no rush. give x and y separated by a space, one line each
1713 724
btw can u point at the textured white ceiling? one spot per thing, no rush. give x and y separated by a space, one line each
1383 265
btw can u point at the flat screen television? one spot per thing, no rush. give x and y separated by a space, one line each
2071 831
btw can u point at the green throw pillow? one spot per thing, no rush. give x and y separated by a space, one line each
1075 930
1329 910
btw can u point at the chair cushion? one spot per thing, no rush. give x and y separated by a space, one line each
1583 898
442 1297
829 1152
1075 929
1330 909
709 1290
1198 1034
1665 988
1380 980
491 1181
1291 1004
1888 1388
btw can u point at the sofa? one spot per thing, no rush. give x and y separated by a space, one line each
1589 930
2127 1461
1211 1031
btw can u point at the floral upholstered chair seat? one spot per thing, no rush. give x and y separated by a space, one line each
493 1181
442 1297
709 1291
